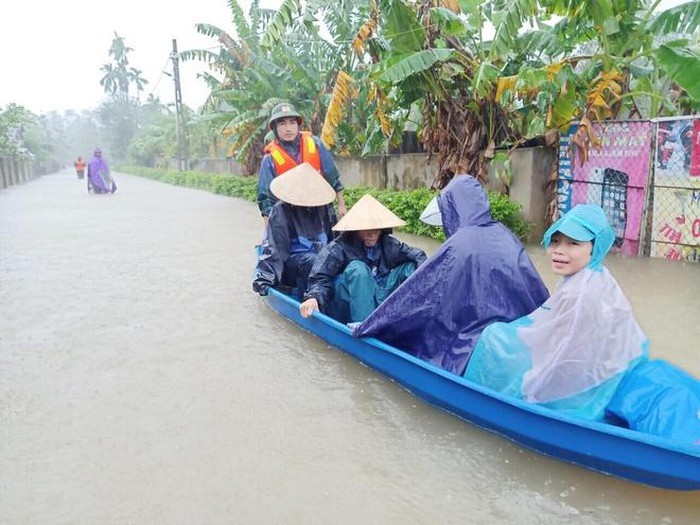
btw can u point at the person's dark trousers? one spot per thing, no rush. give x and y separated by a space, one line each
296 271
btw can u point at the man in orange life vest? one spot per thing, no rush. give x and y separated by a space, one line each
290 148
80 167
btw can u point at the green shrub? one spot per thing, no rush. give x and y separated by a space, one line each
507 212
410 204
406 204
229 185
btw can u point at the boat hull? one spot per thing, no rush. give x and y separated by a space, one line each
604 448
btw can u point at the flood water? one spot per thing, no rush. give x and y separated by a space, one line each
142 381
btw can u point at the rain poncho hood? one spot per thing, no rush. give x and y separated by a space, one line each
481 274
585 222
571 353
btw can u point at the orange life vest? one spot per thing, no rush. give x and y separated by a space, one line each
283 162
79 165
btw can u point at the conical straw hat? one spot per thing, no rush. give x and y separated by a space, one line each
302 186
368 214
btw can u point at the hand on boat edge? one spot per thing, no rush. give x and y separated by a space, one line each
308 307
261 288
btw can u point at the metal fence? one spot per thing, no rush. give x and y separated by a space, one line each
673 208
646 177
614 177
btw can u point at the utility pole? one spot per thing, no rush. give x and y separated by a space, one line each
180 124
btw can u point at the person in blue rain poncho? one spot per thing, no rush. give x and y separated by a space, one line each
572 352
300 226
360 268
481 274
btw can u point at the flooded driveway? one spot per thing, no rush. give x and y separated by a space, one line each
141 381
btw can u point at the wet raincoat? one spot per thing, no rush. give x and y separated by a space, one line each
571 353
293 238
266 200
481 274
99 175
349 280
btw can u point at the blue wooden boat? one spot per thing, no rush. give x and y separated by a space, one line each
627 454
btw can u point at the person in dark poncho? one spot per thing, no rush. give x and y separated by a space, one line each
299 227
358 270
480 275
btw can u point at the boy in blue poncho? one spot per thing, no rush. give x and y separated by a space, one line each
583 352
571 353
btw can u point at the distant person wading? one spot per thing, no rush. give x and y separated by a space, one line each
99 175
80 168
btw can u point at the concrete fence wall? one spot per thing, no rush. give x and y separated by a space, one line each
529 168
212 165
13 172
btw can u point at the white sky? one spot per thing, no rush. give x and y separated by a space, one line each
51 51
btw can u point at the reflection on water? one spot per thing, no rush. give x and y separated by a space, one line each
141 381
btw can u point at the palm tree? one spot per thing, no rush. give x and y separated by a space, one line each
118 76
135 76
120 113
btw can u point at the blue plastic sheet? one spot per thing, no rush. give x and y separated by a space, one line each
480 275
659 398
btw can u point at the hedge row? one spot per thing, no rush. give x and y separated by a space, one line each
406 204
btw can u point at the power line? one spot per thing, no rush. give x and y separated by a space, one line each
160 77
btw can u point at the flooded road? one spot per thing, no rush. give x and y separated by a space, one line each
141 381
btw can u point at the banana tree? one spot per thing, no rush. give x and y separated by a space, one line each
549 62
602 59
277 55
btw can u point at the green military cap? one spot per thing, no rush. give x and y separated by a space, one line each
285 109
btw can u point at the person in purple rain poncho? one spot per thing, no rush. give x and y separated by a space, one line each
99 179
480 275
